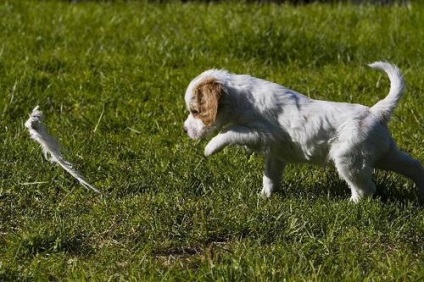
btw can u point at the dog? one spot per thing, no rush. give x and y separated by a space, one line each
288 127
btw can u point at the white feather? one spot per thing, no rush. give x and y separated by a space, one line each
50 146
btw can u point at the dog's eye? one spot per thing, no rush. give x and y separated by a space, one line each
194 112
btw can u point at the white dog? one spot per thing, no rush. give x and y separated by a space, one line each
289 127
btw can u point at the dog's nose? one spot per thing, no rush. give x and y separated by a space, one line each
185 129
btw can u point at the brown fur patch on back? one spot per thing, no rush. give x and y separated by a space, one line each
207 95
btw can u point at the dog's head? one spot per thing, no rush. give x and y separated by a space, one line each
203 99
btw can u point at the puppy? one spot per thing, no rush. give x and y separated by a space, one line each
289 127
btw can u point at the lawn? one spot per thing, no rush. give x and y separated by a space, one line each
110 79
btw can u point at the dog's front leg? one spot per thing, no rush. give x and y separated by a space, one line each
233 135
274 168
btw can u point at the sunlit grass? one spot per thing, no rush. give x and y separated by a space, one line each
110 79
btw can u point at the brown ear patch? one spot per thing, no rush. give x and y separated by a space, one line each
207 95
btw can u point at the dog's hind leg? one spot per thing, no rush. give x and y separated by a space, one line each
274 168
400 162
357 175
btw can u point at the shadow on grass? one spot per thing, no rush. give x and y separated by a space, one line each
212 249
390 189
8 274
38 244
396 190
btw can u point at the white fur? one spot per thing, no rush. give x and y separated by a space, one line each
289 127
50 146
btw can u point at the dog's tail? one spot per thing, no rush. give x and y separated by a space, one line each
385 107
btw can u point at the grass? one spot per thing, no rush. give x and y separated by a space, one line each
110 79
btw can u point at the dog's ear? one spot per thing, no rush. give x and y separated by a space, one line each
208 95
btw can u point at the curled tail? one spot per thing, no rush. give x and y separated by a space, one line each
385 107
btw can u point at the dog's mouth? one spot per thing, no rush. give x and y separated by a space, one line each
194 136
198 134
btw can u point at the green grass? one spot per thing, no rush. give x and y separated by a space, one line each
110 79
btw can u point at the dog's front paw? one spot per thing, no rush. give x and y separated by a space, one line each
209 150
215 145
265 193
267 187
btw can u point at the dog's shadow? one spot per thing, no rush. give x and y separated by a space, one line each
391 188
